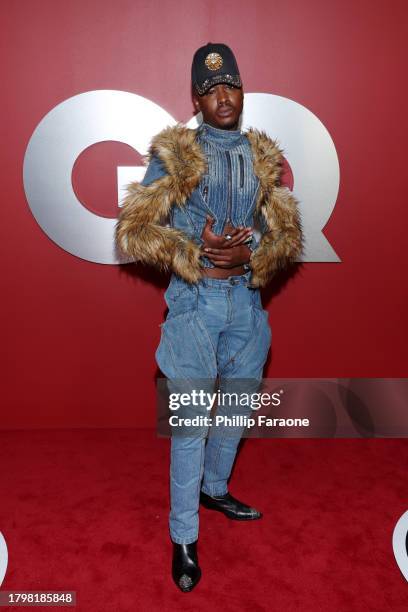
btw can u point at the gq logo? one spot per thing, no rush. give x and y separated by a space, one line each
97 116
3 558
400 544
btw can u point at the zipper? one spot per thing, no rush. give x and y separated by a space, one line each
205 193
241 170
227 153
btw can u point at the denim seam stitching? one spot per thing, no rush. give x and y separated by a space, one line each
204 330
248 347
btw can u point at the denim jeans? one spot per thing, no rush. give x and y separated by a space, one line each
214 330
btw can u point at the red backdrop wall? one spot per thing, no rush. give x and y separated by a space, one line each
79 338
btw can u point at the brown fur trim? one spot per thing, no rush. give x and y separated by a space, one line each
182 157
139 232
282 243
267 161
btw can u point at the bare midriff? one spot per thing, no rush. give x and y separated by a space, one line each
223 272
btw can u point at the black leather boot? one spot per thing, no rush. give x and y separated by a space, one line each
185 570
231 507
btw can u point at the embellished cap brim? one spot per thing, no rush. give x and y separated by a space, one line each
216 80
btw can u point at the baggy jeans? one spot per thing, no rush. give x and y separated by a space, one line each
215 329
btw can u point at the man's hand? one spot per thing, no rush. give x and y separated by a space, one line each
238 236
228 257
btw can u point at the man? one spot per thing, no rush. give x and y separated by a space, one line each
211 185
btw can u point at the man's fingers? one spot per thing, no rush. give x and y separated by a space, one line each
219 259
233 231
208 225
215 251
237 241
240 237
222 264
236 235
218 255
224 253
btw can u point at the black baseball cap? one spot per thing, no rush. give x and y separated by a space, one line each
213 64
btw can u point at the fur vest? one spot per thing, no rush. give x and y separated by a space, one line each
141 234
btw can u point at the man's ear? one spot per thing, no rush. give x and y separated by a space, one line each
196 103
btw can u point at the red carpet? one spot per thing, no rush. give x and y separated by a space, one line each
86 510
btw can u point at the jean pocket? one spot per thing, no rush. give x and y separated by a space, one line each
180 297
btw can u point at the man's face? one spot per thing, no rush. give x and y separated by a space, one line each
221 106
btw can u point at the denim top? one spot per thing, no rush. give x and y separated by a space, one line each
227 192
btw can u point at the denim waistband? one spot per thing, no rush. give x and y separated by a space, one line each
224 283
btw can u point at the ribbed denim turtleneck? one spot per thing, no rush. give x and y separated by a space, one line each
229 186
225 139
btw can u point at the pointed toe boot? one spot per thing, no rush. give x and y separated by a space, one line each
231 507
185 570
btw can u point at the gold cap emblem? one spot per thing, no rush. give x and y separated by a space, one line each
213 61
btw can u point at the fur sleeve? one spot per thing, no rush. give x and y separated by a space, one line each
140 231
140 235
281 244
